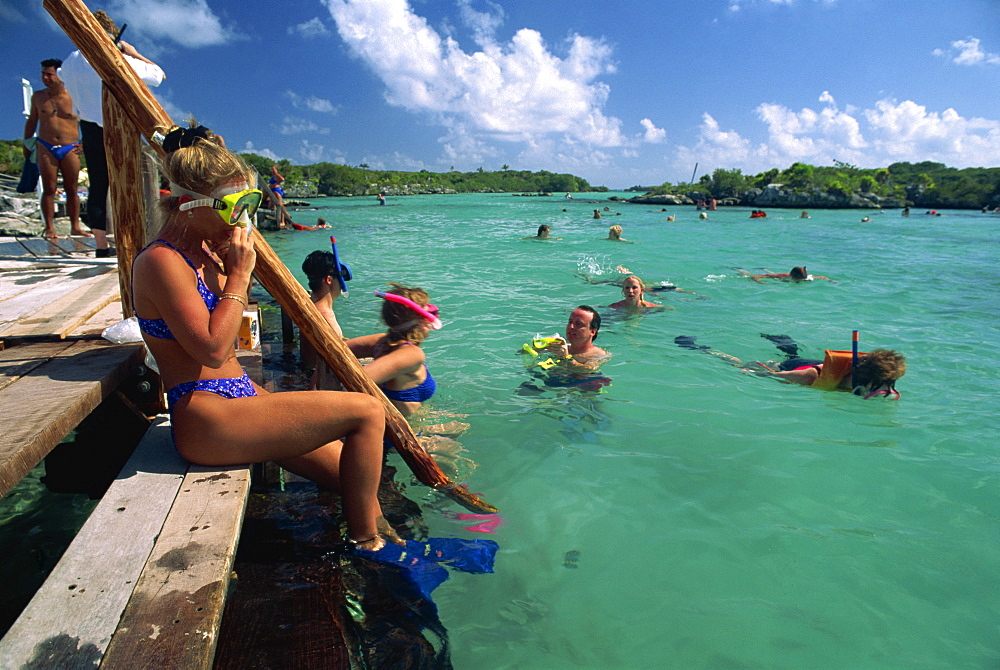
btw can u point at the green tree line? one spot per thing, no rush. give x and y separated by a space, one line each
339 179
924 184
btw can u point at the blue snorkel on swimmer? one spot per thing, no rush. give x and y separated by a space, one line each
343 274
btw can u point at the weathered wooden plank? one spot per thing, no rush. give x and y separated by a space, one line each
39 409
67 312
174 615
17 361
109 315
71 619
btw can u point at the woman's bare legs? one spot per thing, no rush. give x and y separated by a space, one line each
298 430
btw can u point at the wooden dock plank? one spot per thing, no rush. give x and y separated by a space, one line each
62 315
18 361
109 315
174 615
71 619
40 408
26 287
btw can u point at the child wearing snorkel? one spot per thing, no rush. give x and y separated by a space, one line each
400 367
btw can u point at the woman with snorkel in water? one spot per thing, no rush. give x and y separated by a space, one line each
870 375
400 367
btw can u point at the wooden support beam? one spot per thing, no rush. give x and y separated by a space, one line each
122 146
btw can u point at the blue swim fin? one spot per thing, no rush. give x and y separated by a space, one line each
419 575
475 556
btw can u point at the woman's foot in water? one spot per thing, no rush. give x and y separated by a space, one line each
387 532
371 544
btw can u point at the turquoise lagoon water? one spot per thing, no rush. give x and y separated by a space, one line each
689 516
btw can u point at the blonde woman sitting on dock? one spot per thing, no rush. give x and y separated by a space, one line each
189 290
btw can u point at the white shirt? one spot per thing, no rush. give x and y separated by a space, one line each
84 84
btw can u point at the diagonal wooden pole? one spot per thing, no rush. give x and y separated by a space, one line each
123 148
152 121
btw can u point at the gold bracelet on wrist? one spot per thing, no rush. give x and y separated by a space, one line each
234 296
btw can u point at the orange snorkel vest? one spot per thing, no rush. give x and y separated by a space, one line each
836 366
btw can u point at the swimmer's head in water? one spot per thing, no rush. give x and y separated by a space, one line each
877 372
633 282
595 319
799 272
405 324
544 230
614 232
322 264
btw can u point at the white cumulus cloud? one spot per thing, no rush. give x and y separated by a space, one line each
291 125
190 23
653 134
514 91
886 133
311 103
311 28
968 52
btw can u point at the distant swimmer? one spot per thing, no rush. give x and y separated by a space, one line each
804 215
568 196
381 198
633 289
615 234
597 214
865 220
543 234
702 215
796 274
624 273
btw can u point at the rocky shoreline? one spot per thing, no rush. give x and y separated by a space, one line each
778 197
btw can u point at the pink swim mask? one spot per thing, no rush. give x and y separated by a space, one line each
429 312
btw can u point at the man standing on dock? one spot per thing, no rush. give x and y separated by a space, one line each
57 147
84 84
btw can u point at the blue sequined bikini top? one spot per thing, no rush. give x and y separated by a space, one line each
158 327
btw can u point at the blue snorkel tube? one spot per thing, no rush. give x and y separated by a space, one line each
854 358
343 271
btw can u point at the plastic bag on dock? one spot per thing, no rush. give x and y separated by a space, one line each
123 332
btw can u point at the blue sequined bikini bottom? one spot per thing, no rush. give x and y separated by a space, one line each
232 387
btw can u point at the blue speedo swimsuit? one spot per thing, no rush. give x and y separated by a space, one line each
58 150
231 387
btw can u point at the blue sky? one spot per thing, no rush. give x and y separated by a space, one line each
620 93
